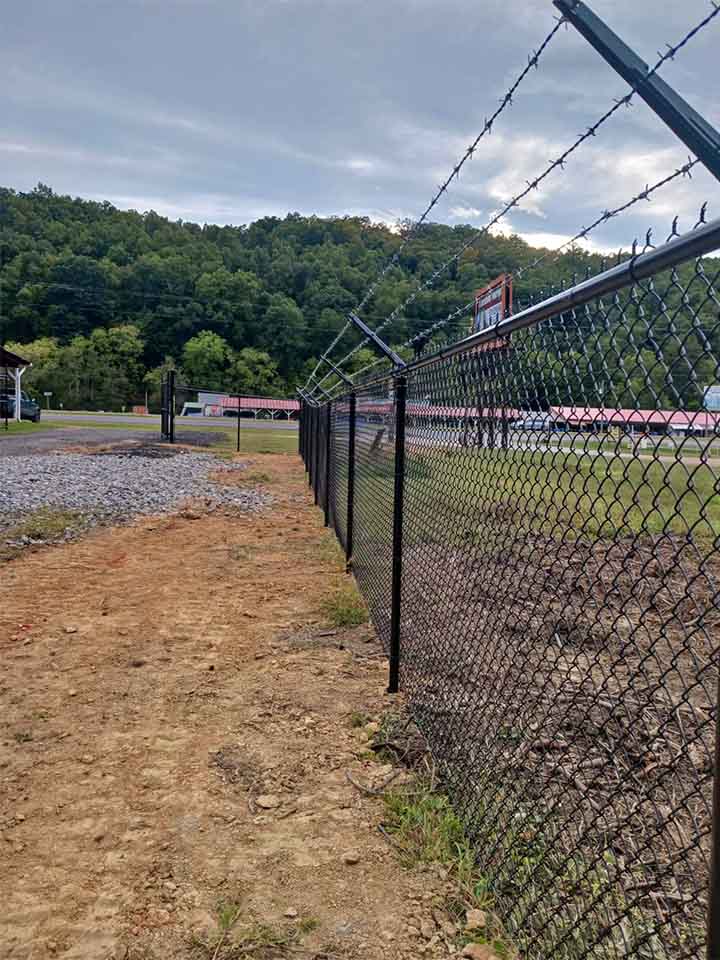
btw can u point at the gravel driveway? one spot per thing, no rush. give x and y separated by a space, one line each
57 438
117 485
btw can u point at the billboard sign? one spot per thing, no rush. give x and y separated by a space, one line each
493 303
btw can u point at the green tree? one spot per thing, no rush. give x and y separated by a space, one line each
206 358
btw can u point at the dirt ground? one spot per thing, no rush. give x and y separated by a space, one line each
60 438
175 731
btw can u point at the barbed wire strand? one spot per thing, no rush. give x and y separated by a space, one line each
669 54
551 255
506 101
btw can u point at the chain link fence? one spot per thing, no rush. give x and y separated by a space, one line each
533 518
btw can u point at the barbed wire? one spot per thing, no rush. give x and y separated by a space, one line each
454 174
626 101
421 338
506 101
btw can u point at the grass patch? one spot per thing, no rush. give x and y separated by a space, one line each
257 476
358 719
27 426
345 607
43 526
426 829
236 938
46 524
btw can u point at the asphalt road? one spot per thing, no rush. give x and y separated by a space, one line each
154 420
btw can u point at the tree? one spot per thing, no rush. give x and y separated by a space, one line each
206 358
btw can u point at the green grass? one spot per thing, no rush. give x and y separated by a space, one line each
456 496
345 607
426 829
238 938
46 524
253 440
26 426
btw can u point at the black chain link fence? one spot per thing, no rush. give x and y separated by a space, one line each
556 618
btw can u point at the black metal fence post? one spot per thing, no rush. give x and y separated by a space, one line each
316 457
350 484
238 426
301 418
171 406
163 408
328 450
400 398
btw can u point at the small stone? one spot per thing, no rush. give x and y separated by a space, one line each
71 629
268 801
72 693
427 929
99 837
87 758
476 920
479 951
351 857
291 913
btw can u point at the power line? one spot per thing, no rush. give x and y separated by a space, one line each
591 131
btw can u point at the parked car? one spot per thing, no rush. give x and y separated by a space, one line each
29 408
541 422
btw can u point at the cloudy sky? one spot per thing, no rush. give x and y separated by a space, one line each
228 110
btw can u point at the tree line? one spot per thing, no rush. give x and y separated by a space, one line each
103 300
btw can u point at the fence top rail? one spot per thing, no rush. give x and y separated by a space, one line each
702 240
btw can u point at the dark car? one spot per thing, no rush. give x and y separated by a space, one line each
29 409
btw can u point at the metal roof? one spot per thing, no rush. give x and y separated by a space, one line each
8 359
260 403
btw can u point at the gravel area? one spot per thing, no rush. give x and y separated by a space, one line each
45 441
116 486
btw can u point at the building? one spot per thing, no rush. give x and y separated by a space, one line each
12 368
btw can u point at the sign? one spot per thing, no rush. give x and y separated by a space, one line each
711 399
47 393
492 303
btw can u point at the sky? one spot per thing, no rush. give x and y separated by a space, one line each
224 111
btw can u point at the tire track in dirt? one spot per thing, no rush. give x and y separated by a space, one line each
156 683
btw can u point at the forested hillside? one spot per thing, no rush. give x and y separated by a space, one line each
101 299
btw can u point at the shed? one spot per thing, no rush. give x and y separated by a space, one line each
12 368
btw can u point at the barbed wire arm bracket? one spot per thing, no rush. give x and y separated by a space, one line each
396 360
685 122
337 371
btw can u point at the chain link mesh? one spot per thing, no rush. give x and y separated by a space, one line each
559 608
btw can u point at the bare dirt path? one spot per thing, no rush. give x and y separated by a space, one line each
174 737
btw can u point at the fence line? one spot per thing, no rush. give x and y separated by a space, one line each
544 576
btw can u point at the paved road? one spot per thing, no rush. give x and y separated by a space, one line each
154 420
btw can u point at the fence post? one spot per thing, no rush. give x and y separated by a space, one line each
350 484
237 444
328 446
171 406
713 928
163 408
300 430
400 397
316 458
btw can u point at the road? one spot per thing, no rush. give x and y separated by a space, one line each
154 420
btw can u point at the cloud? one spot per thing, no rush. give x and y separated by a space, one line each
227 110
